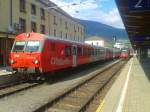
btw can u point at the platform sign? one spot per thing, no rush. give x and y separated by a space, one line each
141 38
139 5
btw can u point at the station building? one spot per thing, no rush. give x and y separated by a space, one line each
119 45
95 40
42 16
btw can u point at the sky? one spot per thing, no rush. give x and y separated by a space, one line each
104 11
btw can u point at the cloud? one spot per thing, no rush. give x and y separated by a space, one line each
111 18
91 10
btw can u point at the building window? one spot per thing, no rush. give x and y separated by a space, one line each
22 23
79 38
55 23
61 35
22 6
66 35
42 28
33 9
70 37
74 28
60 21
55 32
33 27
66 25
42 13
81 31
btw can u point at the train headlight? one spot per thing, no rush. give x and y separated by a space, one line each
36 62
12 61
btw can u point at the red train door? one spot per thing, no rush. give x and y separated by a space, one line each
74 56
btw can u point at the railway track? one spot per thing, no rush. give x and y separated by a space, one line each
11 84
15 88
12 88
78 98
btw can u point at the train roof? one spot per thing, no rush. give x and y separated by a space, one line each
55 39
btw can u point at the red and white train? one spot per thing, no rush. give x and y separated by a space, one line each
125 53
37 53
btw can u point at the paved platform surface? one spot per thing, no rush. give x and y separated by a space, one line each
131 90
7 77
5 71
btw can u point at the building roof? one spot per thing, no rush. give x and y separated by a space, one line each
49 3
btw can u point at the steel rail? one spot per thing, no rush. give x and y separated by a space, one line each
83 108
10 90
50 103
4 86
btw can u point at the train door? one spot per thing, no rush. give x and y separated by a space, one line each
74 56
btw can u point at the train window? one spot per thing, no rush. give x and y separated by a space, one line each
84 51
19 46
92 52
62 51
53 47
101 51
74 51
79 51
89 52
32 46
97 51
68 51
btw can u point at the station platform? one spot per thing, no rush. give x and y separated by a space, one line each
5 70
7 76
131 90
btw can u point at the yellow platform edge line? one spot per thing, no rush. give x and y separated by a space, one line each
99 109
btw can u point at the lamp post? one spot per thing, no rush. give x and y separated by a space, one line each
115 40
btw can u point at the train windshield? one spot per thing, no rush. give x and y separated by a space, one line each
124 51
32 46
19 46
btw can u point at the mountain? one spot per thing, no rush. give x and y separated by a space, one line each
93 28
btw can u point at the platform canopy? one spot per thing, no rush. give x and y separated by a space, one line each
136 18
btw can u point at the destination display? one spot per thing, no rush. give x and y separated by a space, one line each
139 5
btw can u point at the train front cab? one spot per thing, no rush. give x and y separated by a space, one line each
25 54
124 54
